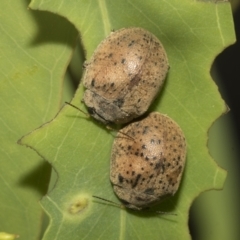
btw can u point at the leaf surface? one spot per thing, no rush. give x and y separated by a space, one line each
33 58
193 33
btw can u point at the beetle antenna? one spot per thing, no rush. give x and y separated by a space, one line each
77 108
125 134
123 206
106 200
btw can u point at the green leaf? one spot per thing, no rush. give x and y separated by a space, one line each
193 33
35 48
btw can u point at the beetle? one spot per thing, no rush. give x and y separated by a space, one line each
147 166
124 75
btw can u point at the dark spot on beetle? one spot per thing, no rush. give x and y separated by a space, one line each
134 81
120 178
93 82
129 147
119 102
133 173
123 61
112 84
149 191
151 176
157 166
144 146
136 180
131 43
140 199
91 110
110 55
146 158
145 129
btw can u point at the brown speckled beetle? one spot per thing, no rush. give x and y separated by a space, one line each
124 75
147 167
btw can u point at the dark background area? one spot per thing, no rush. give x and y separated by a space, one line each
226 74
227 66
